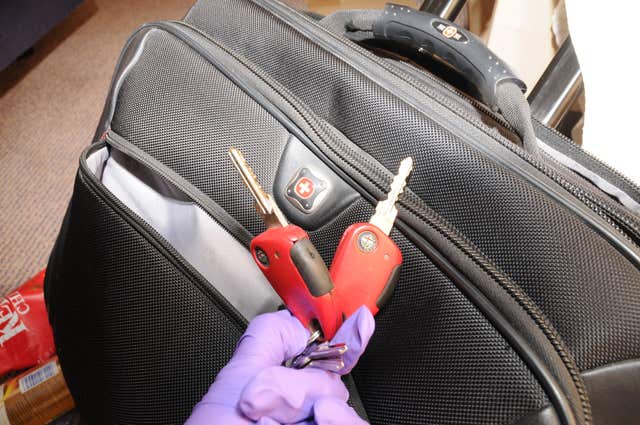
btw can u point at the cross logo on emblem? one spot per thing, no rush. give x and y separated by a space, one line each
304 189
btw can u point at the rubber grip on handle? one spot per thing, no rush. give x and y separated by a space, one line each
455 46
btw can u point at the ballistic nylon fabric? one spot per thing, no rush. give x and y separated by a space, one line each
482 380
588 290
434 358
434 355
139 342
141 314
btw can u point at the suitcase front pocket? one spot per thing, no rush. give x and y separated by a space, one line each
141 333
200 232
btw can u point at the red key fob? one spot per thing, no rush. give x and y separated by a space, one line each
365 269
299 275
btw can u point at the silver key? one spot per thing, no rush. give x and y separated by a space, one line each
322 351
296 360
319 361
314 337
386 210
332 365
265 205
323 356
319 355
328 352
311 346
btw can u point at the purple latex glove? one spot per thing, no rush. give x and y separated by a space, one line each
254 388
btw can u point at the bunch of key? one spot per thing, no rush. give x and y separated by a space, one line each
364 270
321 355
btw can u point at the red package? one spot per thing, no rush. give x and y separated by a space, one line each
26 338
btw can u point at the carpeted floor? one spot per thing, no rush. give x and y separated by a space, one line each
50 102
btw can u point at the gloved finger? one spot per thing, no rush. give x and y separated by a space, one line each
204 412
269 339
334 411
266 421
356 332
287 395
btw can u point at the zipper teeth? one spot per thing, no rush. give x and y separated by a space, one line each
471 251
596 160
632 223
133 219
598 207
441 226
601 208
525 302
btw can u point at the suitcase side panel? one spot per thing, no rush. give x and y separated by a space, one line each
139 339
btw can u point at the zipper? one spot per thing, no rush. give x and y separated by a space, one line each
598 162
361 62
622 219
622 222
370 170
617 219
150 234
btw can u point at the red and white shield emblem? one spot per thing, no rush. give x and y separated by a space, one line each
304 188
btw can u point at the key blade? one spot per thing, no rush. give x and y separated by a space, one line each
326 346
249 179
386 210
330 353
312 345
328 365
265 204
301 362
400 180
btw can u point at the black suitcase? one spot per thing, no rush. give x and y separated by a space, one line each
519 296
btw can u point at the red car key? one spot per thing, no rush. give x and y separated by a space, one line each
289 260
367 262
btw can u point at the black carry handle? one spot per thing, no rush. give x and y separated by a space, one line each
457 47
496 85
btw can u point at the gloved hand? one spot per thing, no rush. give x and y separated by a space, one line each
254 388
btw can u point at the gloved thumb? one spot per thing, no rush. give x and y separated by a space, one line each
269 340
266 421
356 332
333 411
288 395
